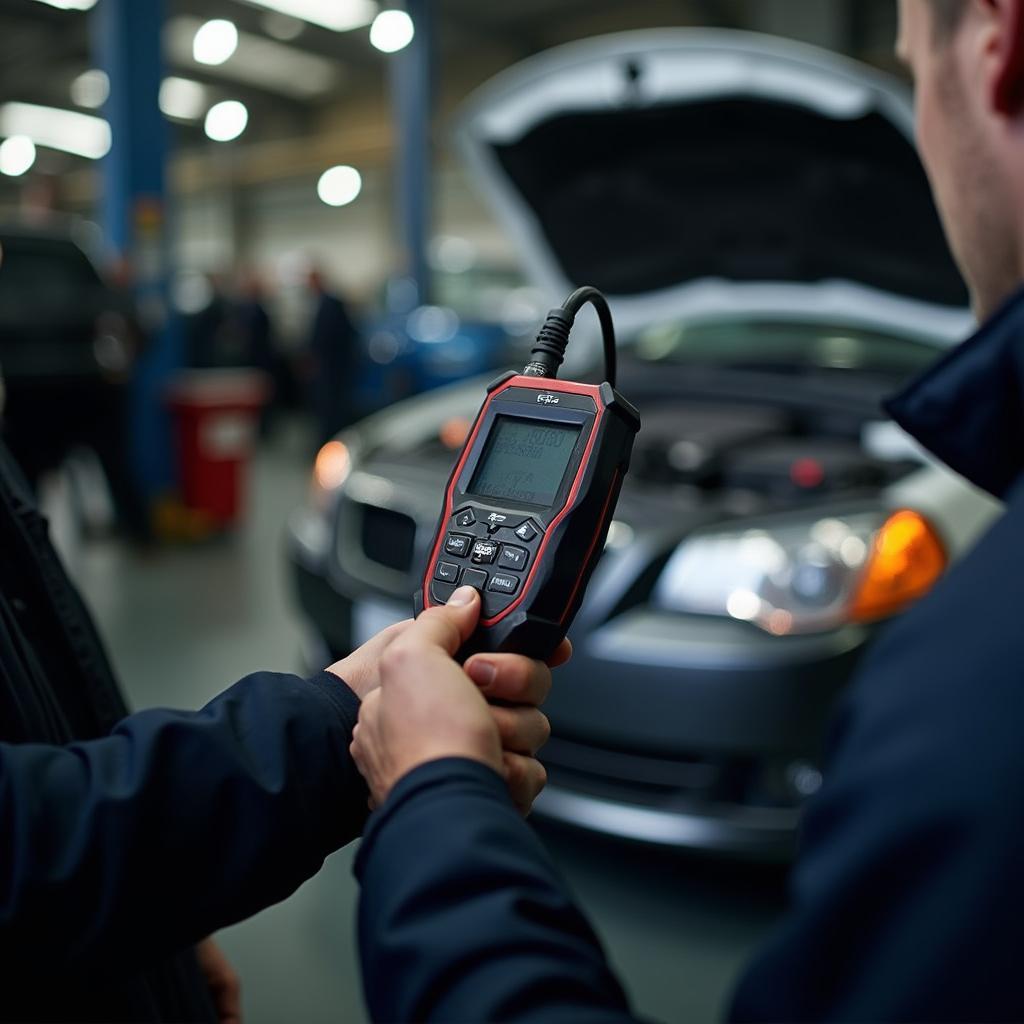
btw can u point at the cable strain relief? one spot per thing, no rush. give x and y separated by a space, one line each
536 370
549 348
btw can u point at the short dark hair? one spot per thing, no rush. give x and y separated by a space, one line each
947 15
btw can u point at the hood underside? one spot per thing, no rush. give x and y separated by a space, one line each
646 162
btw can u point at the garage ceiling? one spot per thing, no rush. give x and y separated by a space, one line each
331 81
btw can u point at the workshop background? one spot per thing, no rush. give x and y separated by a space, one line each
232 229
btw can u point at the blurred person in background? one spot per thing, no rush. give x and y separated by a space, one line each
125 839
907 895
211 342
257 333
334 356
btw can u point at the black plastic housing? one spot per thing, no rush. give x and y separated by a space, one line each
570 533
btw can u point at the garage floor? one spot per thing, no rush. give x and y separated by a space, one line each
183 624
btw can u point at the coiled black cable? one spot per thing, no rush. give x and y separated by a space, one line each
549 349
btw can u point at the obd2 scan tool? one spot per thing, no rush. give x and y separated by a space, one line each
528 505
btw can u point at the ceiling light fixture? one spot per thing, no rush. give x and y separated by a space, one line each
258 61
90 89
215 42
182 99
67 130
70 5
282 26
337 15
226 120
339 186
392 31
17 155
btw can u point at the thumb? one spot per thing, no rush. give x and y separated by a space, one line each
450 626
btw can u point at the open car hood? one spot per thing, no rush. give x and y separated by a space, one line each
688 172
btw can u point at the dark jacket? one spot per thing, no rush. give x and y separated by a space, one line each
125 840
908 892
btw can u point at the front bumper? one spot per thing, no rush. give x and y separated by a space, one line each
761 834
692 749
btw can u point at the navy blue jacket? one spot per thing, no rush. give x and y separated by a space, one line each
908 892
125 840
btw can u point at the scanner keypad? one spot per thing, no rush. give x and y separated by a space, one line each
489 551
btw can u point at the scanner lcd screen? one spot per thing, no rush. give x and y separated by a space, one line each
524 460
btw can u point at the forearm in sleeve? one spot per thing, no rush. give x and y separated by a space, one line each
463 915
178 823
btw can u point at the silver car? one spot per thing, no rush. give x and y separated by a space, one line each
758 216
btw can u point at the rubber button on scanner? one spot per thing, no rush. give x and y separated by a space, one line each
526 532
496 520
457 544
502 584
446 572
484 552
513 558
465 517
475 578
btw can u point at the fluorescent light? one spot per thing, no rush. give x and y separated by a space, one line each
282 26
71 5
90 89
258 62
17 155
392 31
338 186
66 130
226 120
214 42
182 98
338 15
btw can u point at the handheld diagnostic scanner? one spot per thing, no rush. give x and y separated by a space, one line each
528 505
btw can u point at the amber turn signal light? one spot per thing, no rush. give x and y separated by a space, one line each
906 561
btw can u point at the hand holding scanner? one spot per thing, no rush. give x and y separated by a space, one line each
528 504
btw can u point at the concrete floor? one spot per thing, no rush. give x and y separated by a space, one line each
184 623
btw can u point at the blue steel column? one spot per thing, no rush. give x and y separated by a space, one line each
127 46
412 83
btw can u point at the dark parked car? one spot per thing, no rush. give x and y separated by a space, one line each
759 218
68 343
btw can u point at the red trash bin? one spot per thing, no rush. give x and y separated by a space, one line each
216 415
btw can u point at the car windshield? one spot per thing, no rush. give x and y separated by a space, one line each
796 347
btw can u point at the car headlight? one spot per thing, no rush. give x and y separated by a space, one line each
806 575
332 468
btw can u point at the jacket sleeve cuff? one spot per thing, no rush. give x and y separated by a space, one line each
335 692
340 696
449 776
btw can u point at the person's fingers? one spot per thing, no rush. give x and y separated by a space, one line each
563 652
359 669
525 778
523 730
387 635
510 677
369 711
446 627
365 727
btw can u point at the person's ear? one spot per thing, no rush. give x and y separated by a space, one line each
1008 87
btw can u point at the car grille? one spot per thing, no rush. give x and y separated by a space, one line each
388 537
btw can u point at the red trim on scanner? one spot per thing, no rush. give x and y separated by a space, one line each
566 387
